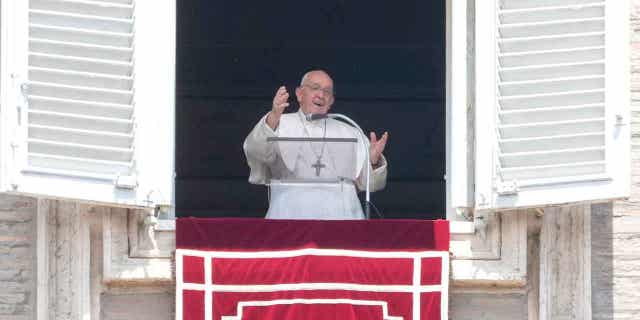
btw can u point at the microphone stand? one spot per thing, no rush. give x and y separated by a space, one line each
367 204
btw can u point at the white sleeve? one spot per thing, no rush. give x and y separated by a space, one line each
378 178
259 153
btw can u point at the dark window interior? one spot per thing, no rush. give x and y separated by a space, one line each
387 59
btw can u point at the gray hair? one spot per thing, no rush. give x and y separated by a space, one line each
306 75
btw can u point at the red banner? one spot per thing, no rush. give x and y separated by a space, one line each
233 269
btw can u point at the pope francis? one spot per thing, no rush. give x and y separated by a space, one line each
270 162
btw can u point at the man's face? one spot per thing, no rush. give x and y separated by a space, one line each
315 95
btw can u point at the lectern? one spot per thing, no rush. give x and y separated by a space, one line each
316 178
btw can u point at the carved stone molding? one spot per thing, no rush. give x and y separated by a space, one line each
127 263
483 244
64 277
497 257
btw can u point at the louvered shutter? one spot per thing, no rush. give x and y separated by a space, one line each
552 102
80 88
80 130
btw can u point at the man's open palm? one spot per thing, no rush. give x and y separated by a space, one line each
377 146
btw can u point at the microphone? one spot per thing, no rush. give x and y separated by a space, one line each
316 116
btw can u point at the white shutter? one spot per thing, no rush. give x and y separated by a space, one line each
80 88
79 133
552 102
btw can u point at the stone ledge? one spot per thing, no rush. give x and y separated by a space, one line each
494 258
138 283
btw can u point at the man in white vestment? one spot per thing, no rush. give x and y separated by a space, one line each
270 161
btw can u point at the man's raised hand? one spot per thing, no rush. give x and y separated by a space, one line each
280 102
376 147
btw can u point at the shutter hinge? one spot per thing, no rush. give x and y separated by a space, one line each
24 89
507 188
126 182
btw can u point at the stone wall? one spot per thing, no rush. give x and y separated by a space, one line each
136 305
486 305
17 257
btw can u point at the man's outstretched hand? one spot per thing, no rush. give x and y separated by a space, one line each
280 102
377 147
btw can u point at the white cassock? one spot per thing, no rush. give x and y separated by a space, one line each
270 161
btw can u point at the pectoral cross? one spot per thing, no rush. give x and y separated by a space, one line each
318 166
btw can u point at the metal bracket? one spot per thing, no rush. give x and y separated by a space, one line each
24 88
147 230
482 200
465 213
481 226
142 227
